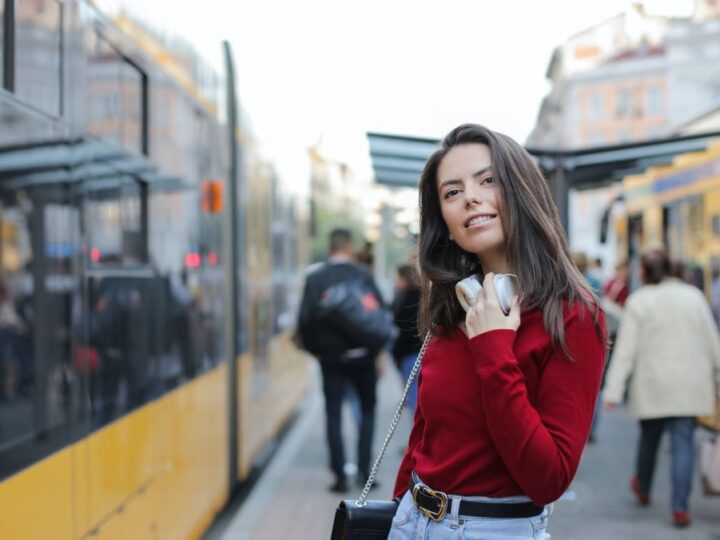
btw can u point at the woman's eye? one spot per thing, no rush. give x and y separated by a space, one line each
488 180
451 193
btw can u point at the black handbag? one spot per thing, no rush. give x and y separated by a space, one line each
371 520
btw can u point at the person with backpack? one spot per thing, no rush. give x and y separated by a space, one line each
344 324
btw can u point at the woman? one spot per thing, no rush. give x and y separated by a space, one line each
505 402
668 347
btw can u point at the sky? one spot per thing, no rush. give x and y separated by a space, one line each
332 70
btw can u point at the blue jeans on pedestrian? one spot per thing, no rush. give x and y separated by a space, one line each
410 524
682 429
406 365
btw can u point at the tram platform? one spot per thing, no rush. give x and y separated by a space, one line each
291 499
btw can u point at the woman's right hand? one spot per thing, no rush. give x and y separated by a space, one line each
487 315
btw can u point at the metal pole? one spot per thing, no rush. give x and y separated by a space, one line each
232 273
382 270
9 45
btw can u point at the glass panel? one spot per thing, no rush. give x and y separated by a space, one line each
39 293
114 221
105 66
37 56
131 86
121 315
175 247
115 88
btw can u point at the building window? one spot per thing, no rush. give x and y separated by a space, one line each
624 99
653 103
595 106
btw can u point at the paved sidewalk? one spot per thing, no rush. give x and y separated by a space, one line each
291 499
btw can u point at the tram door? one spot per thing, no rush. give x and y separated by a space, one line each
118 326
40 397
683 235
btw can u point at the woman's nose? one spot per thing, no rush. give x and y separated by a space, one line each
472 197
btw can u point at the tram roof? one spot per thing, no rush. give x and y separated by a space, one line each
398 160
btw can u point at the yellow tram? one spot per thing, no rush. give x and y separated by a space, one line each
676 206
149 269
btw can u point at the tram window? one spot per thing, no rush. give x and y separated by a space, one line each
115 223
115 87
39 293
37 50
131 92
119 334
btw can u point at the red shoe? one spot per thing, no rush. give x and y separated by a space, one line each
681 519
642 498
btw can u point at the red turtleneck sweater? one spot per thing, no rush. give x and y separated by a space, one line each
504 413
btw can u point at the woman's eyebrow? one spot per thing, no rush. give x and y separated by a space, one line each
483 171
456 181
450 182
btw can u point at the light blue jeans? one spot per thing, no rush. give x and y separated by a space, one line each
410 524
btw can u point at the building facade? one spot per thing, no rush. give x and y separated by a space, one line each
632 77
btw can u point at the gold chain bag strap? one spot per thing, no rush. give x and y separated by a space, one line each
371 520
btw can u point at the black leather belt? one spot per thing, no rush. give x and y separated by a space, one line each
434 504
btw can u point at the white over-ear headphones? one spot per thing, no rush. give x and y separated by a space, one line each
505 285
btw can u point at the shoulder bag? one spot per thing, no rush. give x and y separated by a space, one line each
371 520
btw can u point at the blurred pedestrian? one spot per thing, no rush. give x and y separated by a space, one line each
669 351
341 359
615 293
596 269
405 312
617 288
583 264
366 255
505 400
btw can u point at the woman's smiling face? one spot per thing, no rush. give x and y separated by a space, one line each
471 204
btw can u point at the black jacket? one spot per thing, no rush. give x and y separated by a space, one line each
317 338
405 311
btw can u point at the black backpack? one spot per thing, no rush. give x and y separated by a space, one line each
353 309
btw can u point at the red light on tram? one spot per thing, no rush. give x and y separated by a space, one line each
95 254
212 258
192 260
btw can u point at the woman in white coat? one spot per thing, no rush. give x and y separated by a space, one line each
669 350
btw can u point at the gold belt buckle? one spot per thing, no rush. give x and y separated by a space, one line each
435 516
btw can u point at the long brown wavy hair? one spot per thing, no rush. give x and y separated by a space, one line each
536 244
